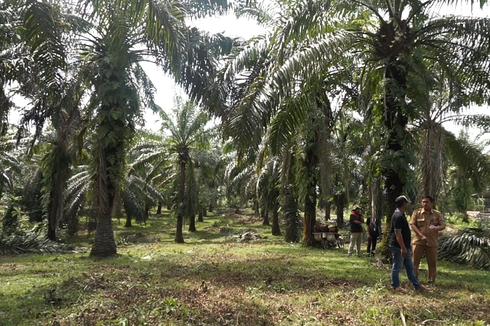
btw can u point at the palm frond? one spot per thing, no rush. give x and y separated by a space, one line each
470 246
31 243
477 169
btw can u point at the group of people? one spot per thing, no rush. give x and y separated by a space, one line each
425 222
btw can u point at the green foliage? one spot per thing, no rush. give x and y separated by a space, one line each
30 242
470 246
11 218
32 196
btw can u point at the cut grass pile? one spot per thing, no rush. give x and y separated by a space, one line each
213 279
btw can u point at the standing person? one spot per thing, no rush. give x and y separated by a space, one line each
373 234
356 221
400 238
426 222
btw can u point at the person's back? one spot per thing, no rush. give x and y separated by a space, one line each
399 219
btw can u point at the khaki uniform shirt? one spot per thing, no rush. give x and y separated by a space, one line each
422 220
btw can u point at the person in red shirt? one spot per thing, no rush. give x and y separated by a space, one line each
356 221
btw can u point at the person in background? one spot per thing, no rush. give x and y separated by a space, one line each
426 222
356 221
372 234
400 238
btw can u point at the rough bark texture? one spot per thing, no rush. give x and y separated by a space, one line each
328 206
275 219
105 245
289 205
200 215
179 238
395 116
128 222
192 223
311 163
265 214
256 208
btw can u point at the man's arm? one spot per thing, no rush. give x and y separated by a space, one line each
355 220
399 239
413 226
417 231
441 224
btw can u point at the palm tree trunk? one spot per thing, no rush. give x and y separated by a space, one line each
192 223
395 121
104 243
266 215
179 238
311 196
431 161
109 161
55 207
275 219
128 221
159 209
290 202
256 208
200 214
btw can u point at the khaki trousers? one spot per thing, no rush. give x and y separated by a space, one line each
430 254
355 240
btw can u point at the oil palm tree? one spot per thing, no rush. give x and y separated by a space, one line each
127 32
185 137
187 133
392 41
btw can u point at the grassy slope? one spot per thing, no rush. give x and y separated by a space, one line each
214 280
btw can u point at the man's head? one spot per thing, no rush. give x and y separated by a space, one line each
401 202
427 202
357 209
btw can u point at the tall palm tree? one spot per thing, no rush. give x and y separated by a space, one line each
187 132
127 32
395 44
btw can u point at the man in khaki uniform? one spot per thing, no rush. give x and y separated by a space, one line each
426 223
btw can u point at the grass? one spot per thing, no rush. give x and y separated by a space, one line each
213 279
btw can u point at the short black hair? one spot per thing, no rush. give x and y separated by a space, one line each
429 197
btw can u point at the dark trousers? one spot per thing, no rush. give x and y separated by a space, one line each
371 245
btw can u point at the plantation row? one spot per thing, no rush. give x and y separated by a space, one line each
337 103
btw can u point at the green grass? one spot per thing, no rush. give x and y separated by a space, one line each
213 279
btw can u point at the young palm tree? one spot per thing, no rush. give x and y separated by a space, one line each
187 138
187 133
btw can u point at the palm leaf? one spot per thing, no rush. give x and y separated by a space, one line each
470 246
